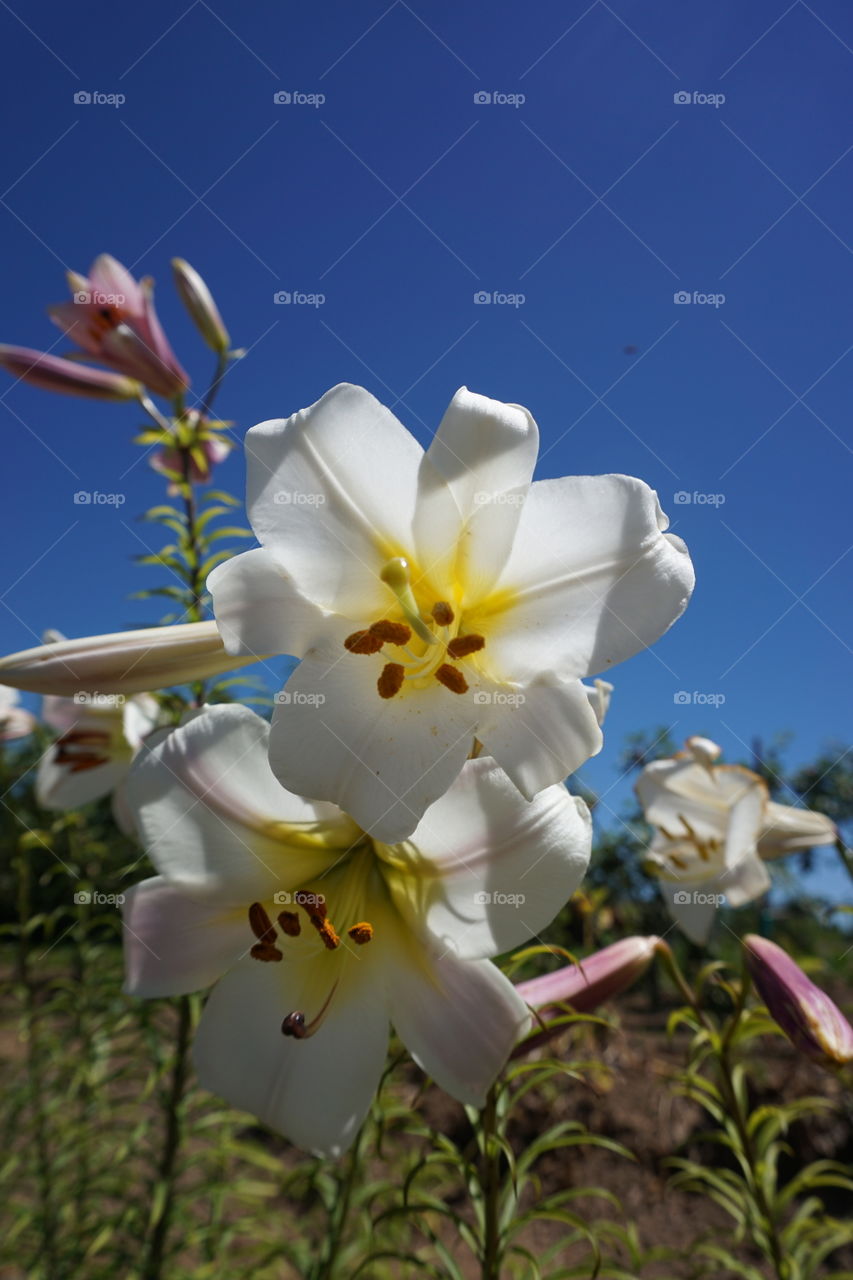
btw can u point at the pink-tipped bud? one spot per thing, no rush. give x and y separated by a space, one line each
52 373
198 301
812 1022
588 984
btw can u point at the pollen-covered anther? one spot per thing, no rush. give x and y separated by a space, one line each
462 646
363 642
451 678
260 924
390 681
265 951
391 632
442 613
289 922
361 932
327 933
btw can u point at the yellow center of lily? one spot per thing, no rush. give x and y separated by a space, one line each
428 643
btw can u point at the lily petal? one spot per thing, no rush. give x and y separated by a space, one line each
592 579
174 945
384 761
260 610
492 869
315 1091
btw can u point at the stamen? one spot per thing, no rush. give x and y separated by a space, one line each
363 642
442 613
390 681
326 930
289 921
451 678
396 575
678 862
391 632
264 951
361 932
260 924
461 646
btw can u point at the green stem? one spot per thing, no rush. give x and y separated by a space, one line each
36 1086
845 856
490 1181
339 1220
166 1173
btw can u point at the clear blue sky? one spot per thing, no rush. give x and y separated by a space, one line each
398 198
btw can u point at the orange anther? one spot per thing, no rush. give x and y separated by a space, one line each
289 921
363 642
260 923
264 951
361 932
451 678
442 613
463 645
391 632
391 680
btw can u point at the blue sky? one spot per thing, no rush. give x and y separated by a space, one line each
398 198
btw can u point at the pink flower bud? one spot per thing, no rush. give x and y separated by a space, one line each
810 1020
198 301
586 985
54 374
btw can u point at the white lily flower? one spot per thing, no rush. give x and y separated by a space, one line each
715 827
317 935
15 721
435 598
99 735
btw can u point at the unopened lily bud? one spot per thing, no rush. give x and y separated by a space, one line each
198 301
587 985
703 750
52 373
812 1022
123 662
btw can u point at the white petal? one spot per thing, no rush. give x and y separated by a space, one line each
216 822
60 787
473 482
538 732
677 788
592 578
331 492
382 760
745 881
315 1091
786 829
492 869
459 1019
745 820
173 944
141 716
259 610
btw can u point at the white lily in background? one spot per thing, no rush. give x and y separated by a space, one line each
436 598
318 935
99 735
715 828
121 662
15 721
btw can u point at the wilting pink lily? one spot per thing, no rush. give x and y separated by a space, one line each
812 1022
112 319
52 373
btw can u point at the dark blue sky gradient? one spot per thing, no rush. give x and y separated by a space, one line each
400 197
